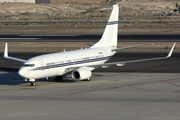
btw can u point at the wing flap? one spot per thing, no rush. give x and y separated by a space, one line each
122 63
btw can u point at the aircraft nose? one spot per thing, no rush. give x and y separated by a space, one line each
22 72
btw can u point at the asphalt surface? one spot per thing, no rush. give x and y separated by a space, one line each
137 91
170 65
108 96
88 38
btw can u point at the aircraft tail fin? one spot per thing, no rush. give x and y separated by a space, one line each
109 37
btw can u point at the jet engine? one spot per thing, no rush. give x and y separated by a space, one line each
81 74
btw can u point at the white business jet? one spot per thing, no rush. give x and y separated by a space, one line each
79 63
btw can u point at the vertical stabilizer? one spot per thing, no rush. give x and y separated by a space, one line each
109 37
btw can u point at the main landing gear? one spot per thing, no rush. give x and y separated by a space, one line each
89 79
58 78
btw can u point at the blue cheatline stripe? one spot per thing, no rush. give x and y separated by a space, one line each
71 63
112 23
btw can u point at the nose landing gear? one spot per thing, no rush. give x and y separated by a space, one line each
32 82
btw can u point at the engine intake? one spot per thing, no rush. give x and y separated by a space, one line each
81 74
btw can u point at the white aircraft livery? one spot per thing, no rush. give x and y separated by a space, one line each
78 63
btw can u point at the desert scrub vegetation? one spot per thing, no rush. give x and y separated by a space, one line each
152 25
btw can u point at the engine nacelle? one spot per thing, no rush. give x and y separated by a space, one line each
81 74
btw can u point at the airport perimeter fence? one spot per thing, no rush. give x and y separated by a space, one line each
42 1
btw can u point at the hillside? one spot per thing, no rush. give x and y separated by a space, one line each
135 17
88 11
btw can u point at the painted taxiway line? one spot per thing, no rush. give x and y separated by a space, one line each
19 38
49 35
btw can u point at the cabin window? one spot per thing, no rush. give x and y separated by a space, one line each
29 65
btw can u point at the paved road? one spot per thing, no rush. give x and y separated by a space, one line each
170 65
87 38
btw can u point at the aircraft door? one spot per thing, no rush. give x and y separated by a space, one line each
42 64
74 61
105 53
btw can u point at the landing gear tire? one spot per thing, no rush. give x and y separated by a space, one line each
58 78
89 79
33 84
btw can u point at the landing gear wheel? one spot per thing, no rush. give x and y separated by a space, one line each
33 84
58 78
87 79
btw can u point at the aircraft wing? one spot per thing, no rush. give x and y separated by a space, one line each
122 63
11 58
130 47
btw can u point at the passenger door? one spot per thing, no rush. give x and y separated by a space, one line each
42 64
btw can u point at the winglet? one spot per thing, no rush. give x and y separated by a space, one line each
170 53
6 51
11 58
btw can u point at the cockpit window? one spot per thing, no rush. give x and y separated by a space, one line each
29 65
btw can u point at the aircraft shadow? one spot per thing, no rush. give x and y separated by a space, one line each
6 69
13 78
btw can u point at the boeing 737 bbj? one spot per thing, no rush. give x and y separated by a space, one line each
79 63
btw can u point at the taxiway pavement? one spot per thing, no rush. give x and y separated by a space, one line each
138 91
108 96
88 38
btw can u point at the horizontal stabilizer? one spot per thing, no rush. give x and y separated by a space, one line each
89 44
130 47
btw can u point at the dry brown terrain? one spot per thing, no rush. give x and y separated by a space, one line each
77 1
52 29
129 10
135 17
